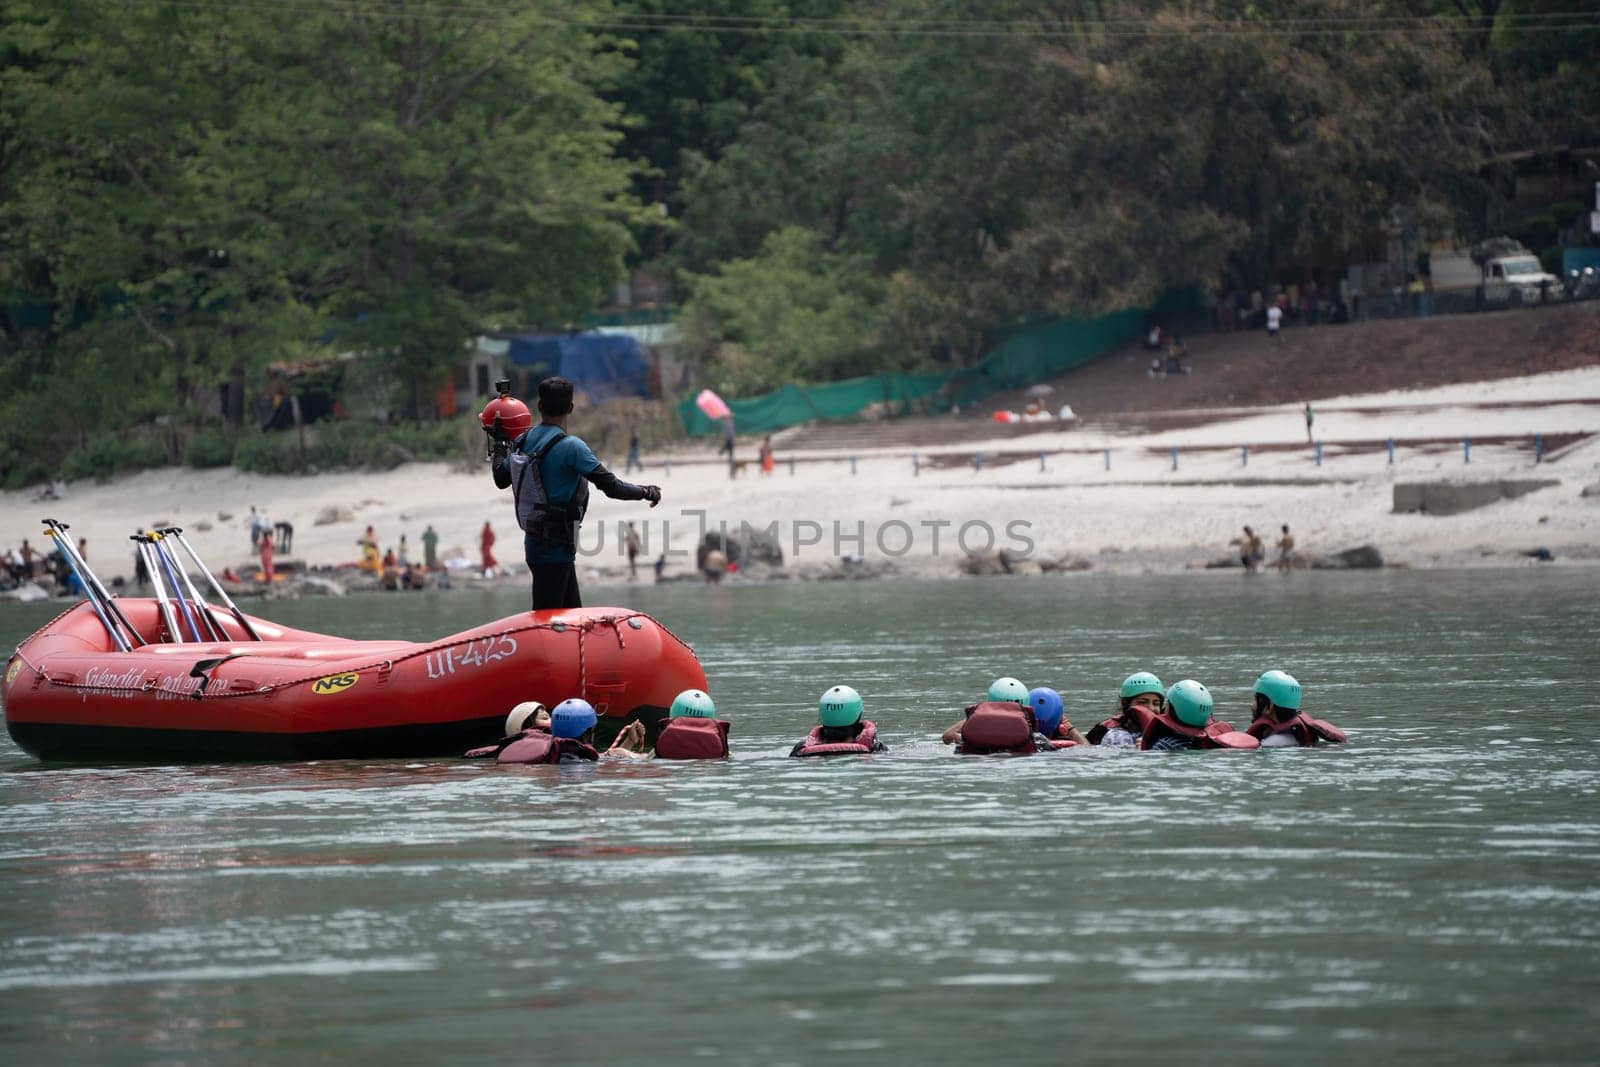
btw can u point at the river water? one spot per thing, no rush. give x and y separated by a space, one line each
1429 893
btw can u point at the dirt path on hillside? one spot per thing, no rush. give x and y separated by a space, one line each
1311 363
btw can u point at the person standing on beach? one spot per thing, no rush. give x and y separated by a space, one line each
486 550
632 460
1311 416
1251 550
727 444
630 538
430 548
546 470
1285 549
266 556
766 454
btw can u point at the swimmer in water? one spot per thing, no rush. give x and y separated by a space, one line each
841 730
1141 696
1003 690
1276 718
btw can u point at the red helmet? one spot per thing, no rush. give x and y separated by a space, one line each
506 417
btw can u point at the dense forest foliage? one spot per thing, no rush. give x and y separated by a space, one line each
191 191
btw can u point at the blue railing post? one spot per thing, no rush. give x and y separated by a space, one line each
916 465
977 462
669 468
852 466
791 466
1174 457
1244 456
1538 448
1319 453
1466 450
1041 459
1391 451
1108 459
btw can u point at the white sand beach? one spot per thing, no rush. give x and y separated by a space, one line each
1140 515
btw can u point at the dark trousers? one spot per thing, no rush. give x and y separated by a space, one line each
555 585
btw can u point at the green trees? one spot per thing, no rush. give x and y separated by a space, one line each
196 191
190 191
793 312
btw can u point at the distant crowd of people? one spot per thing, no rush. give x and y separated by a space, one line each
28 563
1275 306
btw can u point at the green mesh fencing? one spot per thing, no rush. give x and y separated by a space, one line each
1028 355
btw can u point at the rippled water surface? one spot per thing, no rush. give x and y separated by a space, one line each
1429 893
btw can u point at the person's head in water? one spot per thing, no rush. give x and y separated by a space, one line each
1048 709
1276 695
1248 532
1189 702
555 398
1142 688
528 715
839 712
1008 690
574 719
692 704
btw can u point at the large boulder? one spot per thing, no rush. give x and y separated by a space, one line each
746 544
1364 557
1062 564
982 563
330 515
1591 490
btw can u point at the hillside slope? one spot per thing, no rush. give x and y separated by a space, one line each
1248 369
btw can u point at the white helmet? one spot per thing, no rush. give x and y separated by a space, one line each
522 716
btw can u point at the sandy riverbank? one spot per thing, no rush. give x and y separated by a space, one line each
1140 515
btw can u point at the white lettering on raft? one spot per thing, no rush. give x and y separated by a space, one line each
476 653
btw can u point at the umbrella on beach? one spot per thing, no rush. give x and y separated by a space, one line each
712 404
1039 390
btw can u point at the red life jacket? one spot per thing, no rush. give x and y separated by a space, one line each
862 744
1306 730
692 738
1134 720
491 751
540 746
994 727
1060 740
1214 734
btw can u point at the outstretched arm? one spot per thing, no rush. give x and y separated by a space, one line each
617 489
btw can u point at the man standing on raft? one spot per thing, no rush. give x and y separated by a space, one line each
546 470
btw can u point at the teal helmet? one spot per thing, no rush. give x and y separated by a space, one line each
693 704
1280 688
1190 702
840 706
1141 682
1008 690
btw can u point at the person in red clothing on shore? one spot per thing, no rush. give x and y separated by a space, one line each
266 556
486 548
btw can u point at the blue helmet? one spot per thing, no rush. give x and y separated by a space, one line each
572 718
1047 709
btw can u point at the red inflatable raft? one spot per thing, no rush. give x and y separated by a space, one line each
69 693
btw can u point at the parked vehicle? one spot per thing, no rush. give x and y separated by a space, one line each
1511 278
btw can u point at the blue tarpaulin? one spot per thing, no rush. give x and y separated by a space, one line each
601 366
